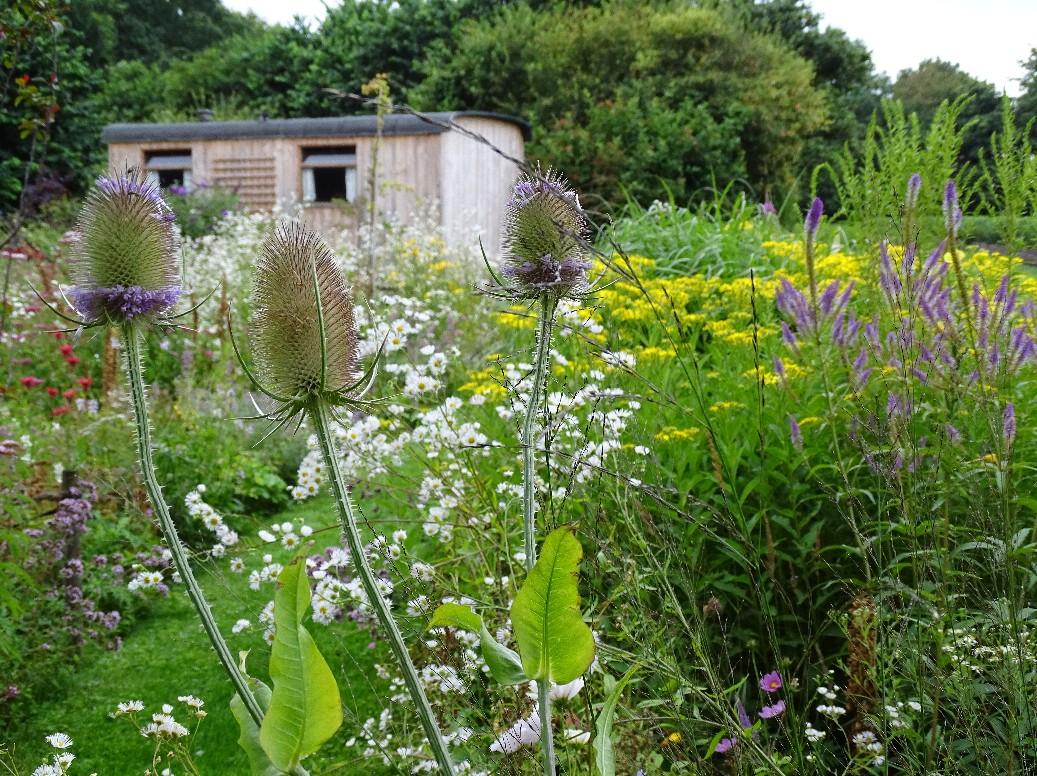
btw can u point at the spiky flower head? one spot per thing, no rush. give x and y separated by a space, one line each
545 232
125 265
303 332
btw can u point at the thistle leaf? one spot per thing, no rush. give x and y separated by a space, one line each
505 665
554 641
305 707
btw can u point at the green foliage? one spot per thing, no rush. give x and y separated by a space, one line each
604 750
1009 181
249 738
871 184
554 642
505 664
305 708
200 210
712 96
934 82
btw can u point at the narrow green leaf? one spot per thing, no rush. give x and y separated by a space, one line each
305 707
604 752
259 763
504 663
554 641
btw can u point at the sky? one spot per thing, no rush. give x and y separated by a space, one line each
986 38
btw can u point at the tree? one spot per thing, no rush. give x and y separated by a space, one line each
1026 105
650 98
922 91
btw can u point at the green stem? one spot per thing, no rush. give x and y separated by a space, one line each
321 420
131 343
543 347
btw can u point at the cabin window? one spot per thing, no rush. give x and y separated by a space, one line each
329 173
168 168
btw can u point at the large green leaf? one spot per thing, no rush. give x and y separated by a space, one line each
553 640
604 751
249 739
504 664
305 707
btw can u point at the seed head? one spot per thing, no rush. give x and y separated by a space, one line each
299 290
125 264
544 236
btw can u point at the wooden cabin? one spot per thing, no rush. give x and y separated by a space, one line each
325 163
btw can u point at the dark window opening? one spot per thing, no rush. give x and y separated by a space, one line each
329 173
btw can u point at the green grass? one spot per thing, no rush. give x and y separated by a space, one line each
168 655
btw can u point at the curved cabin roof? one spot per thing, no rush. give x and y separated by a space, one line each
335 126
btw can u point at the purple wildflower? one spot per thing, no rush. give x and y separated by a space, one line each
813 220
914 185
1009 424
770 682
776 710
743 717
725 744
795 433
123 303
951 211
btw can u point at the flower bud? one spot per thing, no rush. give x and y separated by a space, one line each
295 266
125 266
545 232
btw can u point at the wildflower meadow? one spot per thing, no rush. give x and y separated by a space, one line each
735 488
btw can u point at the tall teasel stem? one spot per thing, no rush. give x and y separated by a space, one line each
320 419
131 339
545 324
544 261
304 339
126 275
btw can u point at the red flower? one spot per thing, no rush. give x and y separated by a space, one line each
86 382
70 394
52 391
31 382
61 410
72 360
66 350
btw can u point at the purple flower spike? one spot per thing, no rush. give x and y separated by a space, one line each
743 717
795 433
770 682
817 209
1009 428
770 712
914 185
951 211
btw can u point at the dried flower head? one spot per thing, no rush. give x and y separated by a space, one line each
125 264
544 239
303 332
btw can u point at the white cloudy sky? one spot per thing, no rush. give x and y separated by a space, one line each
986 38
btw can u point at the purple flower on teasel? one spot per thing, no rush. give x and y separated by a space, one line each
125 266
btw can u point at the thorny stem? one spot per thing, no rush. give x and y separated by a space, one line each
131 343
321 420
543 348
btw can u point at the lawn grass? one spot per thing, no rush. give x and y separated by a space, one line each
168 655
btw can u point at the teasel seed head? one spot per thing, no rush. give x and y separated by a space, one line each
303 332
545 232
125 268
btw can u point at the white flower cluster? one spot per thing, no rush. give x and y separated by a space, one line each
869 745
209 517
164 725
144 579
60 760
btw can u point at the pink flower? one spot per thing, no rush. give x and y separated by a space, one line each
769 712
31 382
770 682
725 744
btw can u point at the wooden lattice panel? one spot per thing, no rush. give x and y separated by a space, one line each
251 178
